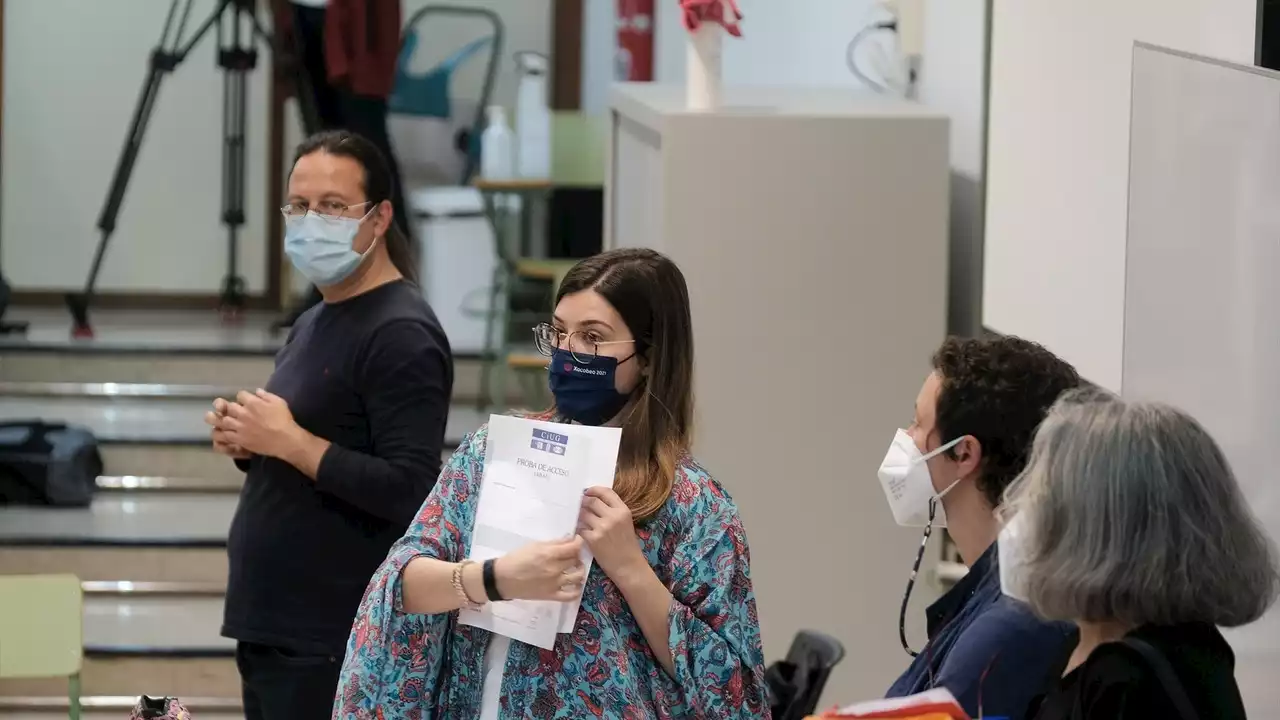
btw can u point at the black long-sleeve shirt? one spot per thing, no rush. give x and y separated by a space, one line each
1117 682
373 376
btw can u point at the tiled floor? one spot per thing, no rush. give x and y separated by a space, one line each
121 622
125 518
132 420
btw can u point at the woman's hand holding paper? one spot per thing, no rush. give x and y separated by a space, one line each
609 529
542 571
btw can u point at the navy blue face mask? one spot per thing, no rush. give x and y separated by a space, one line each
586 393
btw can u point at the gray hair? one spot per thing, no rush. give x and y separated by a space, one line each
1134 515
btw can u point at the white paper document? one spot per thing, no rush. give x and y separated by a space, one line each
534 475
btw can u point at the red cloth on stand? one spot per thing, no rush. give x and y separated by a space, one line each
697 12
361 43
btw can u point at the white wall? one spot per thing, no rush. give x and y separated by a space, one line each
952 80
951 74
1058 162
73 69
801 42
599 45
68 99
805 43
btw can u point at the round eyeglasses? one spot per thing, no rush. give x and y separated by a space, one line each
583 346
328 210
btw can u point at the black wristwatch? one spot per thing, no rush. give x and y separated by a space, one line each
490 582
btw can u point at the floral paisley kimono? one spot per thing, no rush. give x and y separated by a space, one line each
400 666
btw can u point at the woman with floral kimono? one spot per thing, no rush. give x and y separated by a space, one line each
667 626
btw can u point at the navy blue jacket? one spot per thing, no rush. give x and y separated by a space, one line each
985 648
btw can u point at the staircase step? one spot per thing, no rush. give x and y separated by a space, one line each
174 676
61 374
102 563
217 476
145 624
191 368
126 420
113 390
132 588
195 461
147 484
111 712
115 520
111 708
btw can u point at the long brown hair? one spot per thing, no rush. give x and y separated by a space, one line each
377 185
650 294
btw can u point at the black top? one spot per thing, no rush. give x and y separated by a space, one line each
1116 682
989 650
373 376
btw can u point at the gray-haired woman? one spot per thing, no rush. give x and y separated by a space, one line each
1129 522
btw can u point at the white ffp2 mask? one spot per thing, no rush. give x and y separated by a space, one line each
1011 556
904 475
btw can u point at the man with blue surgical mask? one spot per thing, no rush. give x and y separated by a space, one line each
975 417
341 445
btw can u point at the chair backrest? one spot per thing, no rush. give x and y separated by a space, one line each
430 95
797 682
41 626
427 95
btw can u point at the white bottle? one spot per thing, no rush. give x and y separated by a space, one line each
497 146
533 117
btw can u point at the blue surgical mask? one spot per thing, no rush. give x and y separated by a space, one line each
586 393
322 250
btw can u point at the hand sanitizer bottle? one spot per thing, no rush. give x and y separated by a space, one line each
497 146
533 117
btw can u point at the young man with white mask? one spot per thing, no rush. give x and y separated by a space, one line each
975 417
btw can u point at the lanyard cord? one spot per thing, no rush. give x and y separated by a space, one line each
911 581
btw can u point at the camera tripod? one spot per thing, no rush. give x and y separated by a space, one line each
237 29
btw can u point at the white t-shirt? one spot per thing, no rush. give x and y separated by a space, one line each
495 665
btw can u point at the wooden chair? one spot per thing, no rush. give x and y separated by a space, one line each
41 630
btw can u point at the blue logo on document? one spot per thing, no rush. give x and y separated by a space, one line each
549 442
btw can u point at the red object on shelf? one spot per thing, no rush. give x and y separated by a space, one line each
697 12
635 41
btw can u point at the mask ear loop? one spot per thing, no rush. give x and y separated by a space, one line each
911 581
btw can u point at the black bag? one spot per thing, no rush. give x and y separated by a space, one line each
47 464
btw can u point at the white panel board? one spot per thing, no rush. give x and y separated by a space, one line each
1203 249
1053 262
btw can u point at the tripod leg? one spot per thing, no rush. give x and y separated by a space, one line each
78 304
237 62
164 59
233 168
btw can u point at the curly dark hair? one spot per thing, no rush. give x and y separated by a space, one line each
997 389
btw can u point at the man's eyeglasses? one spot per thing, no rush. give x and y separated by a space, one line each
329 210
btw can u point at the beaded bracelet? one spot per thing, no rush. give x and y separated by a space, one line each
467 602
